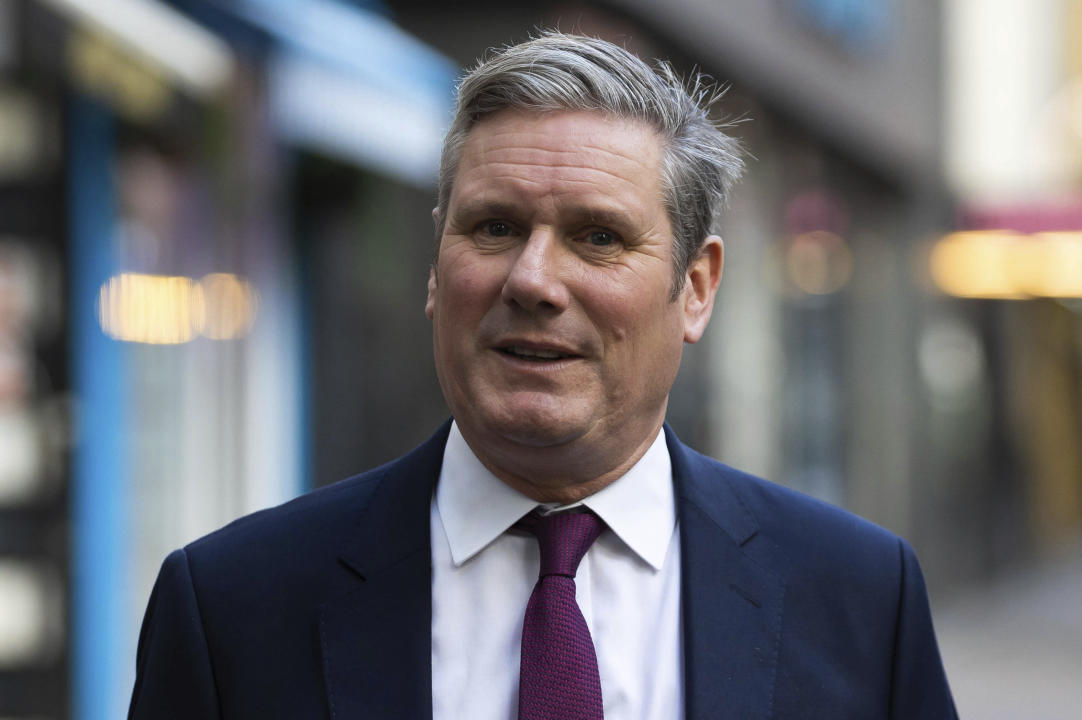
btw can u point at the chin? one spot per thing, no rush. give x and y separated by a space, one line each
536 434
533 426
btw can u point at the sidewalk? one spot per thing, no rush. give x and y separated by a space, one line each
1013 651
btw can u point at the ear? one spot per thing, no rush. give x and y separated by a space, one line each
704 275
430 304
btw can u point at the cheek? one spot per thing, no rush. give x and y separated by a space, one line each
638 318
469 280
472 290
643 348
466 291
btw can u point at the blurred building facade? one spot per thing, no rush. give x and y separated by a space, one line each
215 236
164 335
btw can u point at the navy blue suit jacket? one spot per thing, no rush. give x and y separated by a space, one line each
321 608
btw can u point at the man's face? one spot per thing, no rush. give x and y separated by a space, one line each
551 303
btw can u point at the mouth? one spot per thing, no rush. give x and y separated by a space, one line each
535 354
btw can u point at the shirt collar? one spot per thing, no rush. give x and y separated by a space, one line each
476 507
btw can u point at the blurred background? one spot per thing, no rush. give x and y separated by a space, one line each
215 234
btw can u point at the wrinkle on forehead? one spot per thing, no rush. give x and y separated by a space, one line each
518 132
507 170
532 152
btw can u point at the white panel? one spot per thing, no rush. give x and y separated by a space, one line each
1002 67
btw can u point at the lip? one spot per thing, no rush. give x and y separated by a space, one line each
565 352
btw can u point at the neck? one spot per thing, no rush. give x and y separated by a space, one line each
562 474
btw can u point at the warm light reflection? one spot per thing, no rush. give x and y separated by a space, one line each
1008 266
169 310
230 306
818 262
155 309
974 264
1061 264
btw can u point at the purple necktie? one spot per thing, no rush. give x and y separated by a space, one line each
558 677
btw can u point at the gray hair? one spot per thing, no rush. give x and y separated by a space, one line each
555 72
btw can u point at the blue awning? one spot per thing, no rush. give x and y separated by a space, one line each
351 83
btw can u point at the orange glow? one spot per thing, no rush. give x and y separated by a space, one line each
1061 264
975 265
171 310
153 309
1008 266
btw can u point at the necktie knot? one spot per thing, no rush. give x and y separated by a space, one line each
563 539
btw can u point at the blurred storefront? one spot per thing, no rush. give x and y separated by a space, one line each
172 177
34 390
1014 162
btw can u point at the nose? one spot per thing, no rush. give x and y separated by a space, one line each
534 281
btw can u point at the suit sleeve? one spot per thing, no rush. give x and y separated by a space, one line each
919 686
173 678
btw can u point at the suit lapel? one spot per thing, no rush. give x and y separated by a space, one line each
731 603
376 640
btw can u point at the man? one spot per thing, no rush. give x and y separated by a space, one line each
577 192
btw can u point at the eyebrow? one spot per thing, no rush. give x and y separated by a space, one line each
601 215
487 208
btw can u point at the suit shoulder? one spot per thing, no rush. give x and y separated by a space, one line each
327 507
811 529
787 511
317 525
330 512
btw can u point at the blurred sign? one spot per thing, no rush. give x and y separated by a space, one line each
1003 265
1025 218
1012 252
172 310
856 25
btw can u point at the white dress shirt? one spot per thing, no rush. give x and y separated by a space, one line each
628 586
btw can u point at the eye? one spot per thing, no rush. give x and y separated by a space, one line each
602 238
496 228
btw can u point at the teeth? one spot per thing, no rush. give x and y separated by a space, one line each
540 354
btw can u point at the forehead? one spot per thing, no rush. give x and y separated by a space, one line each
561 152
